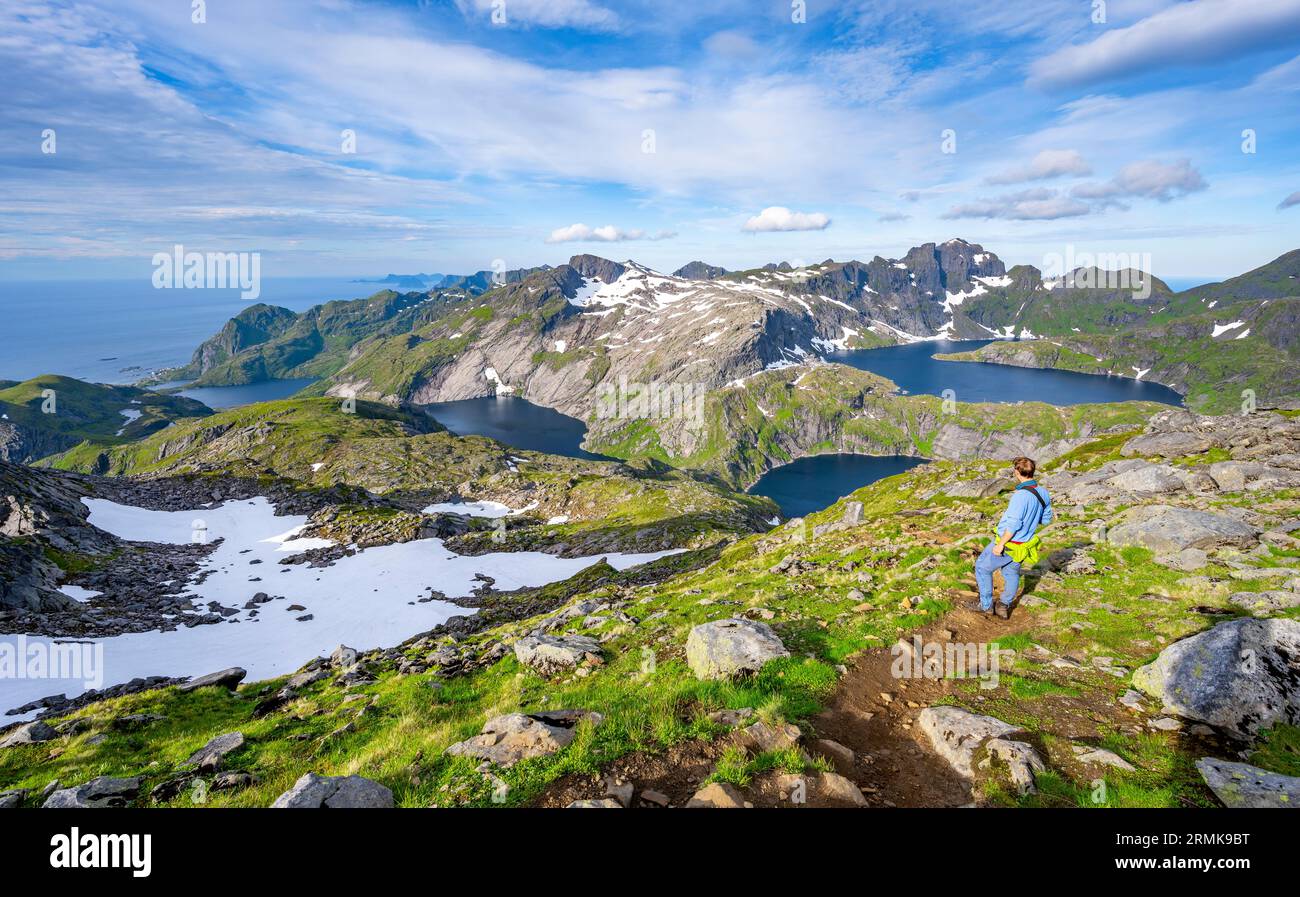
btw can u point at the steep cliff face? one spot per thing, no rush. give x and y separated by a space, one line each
41 519
594 329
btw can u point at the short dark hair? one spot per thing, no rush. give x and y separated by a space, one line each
1024 466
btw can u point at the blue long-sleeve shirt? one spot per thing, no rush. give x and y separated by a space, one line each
1024 514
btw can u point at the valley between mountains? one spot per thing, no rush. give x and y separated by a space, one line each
333 600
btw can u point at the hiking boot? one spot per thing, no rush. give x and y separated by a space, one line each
975 606
1002 611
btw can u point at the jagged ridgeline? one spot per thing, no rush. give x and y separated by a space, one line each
557 336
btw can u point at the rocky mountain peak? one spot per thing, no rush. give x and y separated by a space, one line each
699 271
594 266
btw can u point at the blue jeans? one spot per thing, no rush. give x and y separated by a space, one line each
984 567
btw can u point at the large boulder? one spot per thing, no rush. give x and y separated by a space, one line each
1148 478
728 647
209 757
956 735
1243 675
553 654
971 742
1167 530
1234 476
507 739
1243 785
1167 445
314 791
1261 604
227 679
28 733
96 794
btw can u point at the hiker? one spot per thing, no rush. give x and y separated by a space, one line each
1016 544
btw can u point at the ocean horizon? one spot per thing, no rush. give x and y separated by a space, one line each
121 331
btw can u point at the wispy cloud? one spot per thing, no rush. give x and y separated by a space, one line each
1292 200
581 233
1186 34
1036 204
543 13
1148 179
1047 164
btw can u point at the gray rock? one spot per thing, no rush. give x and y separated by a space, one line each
552 654
1234 476
984 487
507 739
1166 530
956 734
603 803
209 757
1022 762
842 756
29 733
1167 445
1263 603
1243 675
10 800
729 647
96 794
1187 560
1147 479
344 657
717 796
1242 785
835 788
314 791
228 679
1095 756
761 738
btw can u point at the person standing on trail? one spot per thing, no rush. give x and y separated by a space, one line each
1016 544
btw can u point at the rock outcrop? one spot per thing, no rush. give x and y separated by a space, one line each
730 647
314 791
1243 785
507 739
1241 676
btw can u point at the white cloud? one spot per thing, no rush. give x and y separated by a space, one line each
731 44
1292 200
1191 33
581 233
1047 164
1148 179
779 218
1037 204
545 13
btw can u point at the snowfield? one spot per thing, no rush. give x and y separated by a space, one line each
368 600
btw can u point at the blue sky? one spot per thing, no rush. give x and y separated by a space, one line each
1113 127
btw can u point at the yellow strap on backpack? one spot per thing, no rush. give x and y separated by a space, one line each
1025 554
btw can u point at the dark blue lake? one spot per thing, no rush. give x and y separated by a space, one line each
915 371
220 397
515 422
811 484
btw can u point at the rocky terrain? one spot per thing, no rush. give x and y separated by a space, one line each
563 337
766 671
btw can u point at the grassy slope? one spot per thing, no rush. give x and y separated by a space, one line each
391 452
93 410
1211 372
398 732
781 415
